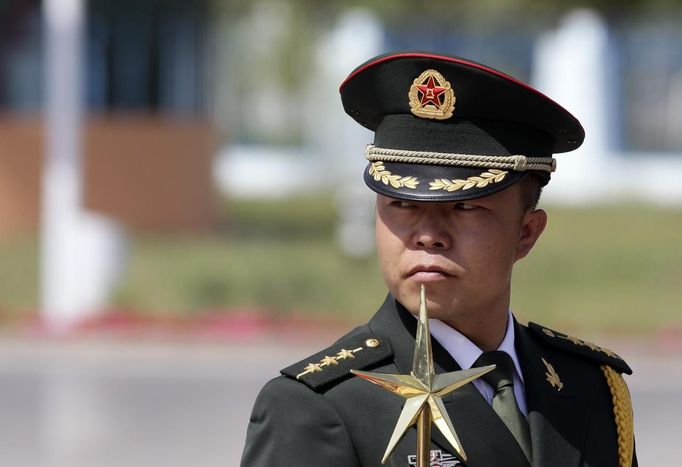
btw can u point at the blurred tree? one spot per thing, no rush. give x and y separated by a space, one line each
323 12
268 56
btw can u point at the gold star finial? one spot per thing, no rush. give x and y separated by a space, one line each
423 391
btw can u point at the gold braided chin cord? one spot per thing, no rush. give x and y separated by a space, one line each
517 163
622 410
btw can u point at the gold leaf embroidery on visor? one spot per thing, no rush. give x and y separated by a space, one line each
379 172
479 181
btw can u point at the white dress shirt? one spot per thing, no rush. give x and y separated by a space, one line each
466 352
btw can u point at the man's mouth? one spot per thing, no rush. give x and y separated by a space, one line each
430 273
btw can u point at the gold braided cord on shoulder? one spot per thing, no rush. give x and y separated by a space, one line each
622 410
518 163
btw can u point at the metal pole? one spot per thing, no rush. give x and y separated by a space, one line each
424 437
61 183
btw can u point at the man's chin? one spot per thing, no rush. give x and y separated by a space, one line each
440 311
438 307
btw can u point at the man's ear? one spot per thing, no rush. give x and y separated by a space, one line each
532 225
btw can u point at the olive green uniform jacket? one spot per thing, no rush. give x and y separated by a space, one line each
327 417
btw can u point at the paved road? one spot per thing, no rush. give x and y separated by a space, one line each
99 404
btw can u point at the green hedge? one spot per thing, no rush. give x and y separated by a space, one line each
608 268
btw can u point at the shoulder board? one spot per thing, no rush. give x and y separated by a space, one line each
333 365
581 347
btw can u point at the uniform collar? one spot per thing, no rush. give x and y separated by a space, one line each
466 352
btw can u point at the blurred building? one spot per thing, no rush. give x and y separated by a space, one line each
168 80
148 139
620 73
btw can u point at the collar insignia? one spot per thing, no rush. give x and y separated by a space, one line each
437 458
431 96
553 376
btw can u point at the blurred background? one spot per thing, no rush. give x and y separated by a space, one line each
182 211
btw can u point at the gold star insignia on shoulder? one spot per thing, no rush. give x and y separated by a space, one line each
328 361
575 340
312 368
580 347
344 354
553 376
592 346
580 343
609 352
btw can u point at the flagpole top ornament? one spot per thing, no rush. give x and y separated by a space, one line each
423 391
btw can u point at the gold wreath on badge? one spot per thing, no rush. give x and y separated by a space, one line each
432 96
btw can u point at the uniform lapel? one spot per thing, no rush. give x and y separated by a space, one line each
397 325
484 437
557 418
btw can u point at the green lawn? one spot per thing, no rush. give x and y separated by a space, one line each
616 268
599 269
18 277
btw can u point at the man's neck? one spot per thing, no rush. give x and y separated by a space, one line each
486 330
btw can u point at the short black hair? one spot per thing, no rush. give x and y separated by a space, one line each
531 189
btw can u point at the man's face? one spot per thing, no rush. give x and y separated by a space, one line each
462 251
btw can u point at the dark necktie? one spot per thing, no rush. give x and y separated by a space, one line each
504 403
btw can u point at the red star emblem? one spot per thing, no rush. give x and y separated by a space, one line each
430 92
431 96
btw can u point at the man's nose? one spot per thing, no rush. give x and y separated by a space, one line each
432 234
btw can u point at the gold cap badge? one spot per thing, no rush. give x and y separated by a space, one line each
431 96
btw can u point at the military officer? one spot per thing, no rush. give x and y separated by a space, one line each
460 154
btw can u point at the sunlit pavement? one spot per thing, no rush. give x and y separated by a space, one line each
90 403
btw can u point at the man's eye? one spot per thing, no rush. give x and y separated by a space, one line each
465 206
402 204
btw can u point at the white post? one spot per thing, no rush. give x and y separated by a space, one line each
573 66
357 36
61 189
